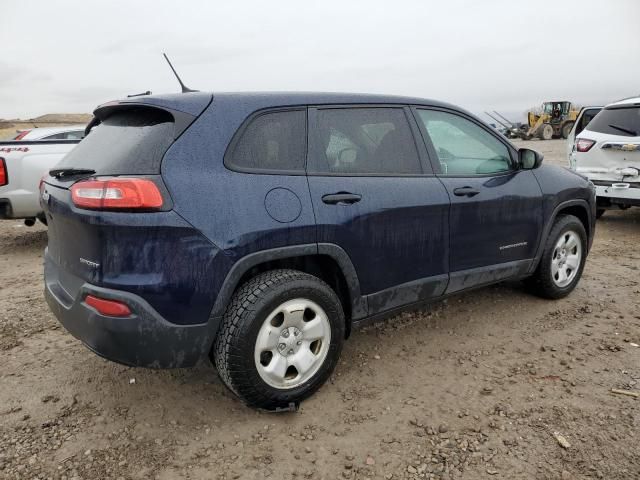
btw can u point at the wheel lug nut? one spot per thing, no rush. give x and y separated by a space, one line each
285 334
282 346
299 342
290 351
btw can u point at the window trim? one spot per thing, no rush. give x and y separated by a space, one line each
228 154
433 155
312 144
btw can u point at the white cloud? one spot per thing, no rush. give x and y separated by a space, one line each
70 55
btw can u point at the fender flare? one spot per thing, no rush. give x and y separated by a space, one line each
579 202
244 264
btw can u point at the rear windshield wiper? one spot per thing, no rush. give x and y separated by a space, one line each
625 130
65 172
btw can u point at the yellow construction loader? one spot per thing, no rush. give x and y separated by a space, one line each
554 120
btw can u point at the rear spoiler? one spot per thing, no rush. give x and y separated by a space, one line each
184 108
181 120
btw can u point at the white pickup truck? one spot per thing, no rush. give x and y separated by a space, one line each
22 165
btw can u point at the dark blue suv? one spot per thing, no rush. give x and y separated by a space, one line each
257 228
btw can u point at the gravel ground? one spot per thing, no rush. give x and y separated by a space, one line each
491 384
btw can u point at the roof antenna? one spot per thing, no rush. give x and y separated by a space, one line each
185 89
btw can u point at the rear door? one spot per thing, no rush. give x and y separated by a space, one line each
375 197
496 209
128 142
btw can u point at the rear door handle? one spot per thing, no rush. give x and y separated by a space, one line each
465 192
341 198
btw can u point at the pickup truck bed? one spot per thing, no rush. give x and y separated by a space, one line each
25 162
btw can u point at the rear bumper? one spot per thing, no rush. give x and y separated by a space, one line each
19 204
144 339
617 196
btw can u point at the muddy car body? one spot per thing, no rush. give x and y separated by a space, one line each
258 228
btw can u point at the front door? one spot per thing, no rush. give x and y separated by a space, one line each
375 196
495 219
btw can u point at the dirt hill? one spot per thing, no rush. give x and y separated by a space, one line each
10 128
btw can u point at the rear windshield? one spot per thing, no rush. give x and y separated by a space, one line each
130 142
624 122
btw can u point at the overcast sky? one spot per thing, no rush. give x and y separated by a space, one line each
68 56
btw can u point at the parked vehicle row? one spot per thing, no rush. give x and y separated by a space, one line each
23 162
258 228
607 151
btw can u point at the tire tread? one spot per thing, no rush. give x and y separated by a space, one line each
230 346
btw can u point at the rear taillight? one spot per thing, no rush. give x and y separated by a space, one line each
117 194
110 308
21 135
584 144
4 178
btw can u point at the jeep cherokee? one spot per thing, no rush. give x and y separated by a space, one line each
257 228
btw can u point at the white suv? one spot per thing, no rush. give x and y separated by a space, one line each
607 151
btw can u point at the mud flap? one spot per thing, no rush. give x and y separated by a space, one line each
293 407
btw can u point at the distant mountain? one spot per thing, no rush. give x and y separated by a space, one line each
60 118
63 118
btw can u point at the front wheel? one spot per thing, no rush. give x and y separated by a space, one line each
563 258
280 338
545 132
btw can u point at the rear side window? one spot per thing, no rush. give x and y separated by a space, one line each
364 141
271 142
131 141
56 136
624 122
587 116
76 135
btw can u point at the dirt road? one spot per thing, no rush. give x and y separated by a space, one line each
484 385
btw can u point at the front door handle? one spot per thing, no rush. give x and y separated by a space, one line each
465 192
341 198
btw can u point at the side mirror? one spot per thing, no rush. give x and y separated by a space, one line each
529 159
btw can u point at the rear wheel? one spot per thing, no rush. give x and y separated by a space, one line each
566 129
280 338
562 260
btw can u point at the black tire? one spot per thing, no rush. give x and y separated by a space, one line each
542 280
566 129
233 350
600 212
545 131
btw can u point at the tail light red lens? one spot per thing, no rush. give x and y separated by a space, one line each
4 178
117 194
110 308
584 144
21 135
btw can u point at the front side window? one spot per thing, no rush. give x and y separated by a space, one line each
364 141
462 147
274 141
